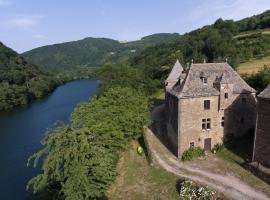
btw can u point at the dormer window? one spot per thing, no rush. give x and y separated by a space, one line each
204 80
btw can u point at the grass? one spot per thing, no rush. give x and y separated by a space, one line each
138 180
236 155
249 33
253 66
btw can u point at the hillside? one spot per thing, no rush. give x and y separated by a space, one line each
92 52
253 66
239 41
20 81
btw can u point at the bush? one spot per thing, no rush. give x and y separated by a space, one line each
192 153
190 191
218 147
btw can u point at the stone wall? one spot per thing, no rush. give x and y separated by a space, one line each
240 114
191 113
172 122
262 139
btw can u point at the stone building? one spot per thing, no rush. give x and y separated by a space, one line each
261 152
204 103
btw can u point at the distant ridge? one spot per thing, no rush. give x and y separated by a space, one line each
92 52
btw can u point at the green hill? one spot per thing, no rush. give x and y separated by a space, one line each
92 52
21 81
239 41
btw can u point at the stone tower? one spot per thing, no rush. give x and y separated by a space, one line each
261 151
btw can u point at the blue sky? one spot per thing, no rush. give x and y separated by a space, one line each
26 24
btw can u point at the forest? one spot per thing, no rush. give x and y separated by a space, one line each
21 81
90 53
225 39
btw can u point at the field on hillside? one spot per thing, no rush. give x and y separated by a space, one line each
138 180
253 66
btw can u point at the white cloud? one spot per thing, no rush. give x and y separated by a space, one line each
5 3
25 22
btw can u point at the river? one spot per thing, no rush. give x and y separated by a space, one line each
22 129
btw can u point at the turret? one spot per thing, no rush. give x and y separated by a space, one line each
173 76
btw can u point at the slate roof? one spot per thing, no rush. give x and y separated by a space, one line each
175 73
192 86
265 93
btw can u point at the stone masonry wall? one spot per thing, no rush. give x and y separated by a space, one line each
190 119
171 121
240 115
262 141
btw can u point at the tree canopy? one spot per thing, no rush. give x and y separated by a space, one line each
79 160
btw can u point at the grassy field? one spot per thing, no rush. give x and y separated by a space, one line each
253 66
138 180
235 155
249 33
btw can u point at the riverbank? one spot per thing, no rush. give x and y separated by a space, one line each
22 129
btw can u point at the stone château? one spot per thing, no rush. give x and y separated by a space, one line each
261 152
204 103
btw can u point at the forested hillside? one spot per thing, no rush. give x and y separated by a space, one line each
238 41
92 52
21 81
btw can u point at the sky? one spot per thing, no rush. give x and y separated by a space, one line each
27 24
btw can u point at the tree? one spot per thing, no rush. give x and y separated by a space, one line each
79 160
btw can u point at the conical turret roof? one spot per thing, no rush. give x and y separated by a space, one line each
176 72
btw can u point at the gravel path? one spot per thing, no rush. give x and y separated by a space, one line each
229 185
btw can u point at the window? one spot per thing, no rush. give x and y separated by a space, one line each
244 100
222 121
206 124
204 80
226 95
203 124
206 104
192 145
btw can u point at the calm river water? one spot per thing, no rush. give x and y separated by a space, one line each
23 128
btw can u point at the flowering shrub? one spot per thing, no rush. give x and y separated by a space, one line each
190 191
192 153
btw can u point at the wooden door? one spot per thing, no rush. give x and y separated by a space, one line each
207 144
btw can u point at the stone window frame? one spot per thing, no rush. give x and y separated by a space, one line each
207 104
206 124
204 80
226 95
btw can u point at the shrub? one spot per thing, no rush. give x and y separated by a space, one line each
190 191
218 147
192 153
